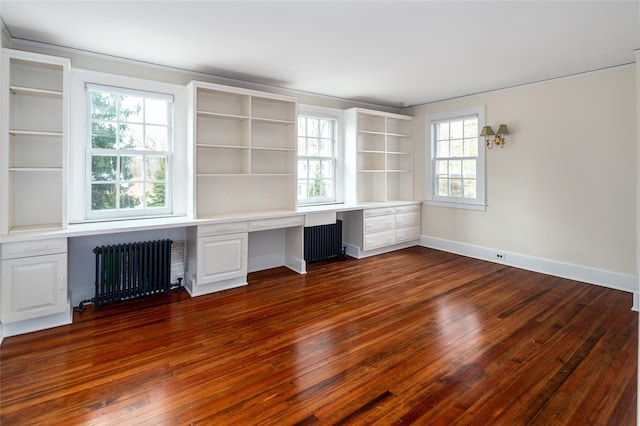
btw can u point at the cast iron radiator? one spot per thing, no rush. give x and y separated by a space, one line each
323 242
127 271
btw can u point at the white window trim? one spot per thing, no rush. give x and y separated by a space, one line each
480 202
337 114
78 132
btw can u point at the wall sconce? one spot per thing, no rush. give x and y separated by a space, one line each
498 137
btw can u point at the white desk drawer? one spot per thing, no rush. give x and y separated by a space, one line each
408 208
34 248
281 222
378 239
379 211
407 219
378 223
222 228
407 234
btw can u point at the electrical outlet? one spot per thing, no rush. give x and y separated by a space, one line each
499 256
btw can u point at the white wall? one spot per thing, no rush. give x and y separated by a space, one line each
564 187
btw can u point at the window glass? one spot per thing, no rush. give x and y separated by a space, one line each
457 162
130 152
316 159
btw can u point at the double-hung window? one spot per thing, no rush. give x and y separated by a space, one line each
456 177
317 148
129 152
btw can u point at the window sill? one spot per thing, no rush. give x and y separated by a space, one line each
453 205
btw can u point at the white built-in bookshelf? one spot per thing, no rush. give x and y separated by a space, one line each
34 148
244 150
379 153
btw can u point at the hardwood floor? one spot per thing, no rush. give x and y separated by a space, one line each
414 336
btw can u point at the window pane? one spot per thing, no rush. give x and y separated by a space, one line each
326 129
471 127
455 168
302 126
443 187
131 196
103 167
456 130
456 148
328 185
469 168
318 188
442 167
470 188
302 190
131 136
315 170
103 135
156 168
312 128
325 148
326 169
442 131
103 106
471 147
302 169
131 167
156 138
313 147
455 188
103 196
156 195
131 109
156 112
443 149
302 146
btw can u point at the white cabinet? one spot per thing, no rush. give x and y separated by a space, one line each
34 279
379 155
217 257
222 257
376 230
244 150
34 141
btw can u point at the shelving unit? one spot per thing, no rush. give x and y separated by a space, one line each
244 150
34 141
379 153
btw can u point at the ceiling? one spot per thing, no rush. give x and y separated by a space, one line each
391 53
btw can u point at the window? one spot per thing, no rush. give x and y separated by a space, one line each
317 147
129 152
457 159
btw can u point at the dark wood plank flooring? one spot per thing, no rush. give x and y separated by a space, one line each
414 336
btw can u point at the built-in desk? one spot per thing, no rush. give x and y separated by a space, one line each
220 251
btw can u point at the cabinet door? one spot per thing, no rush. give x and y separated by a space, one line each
222 257
34 287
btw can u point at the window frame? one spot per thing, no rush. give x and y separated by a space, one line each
331 114
179 202
431 197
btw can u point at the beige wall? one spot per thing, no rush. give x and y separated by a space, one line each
564 187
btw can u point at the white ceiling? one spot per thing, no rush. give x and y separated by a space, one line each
385 52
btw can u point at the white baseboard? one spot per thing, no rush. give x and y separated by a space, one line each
585 274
